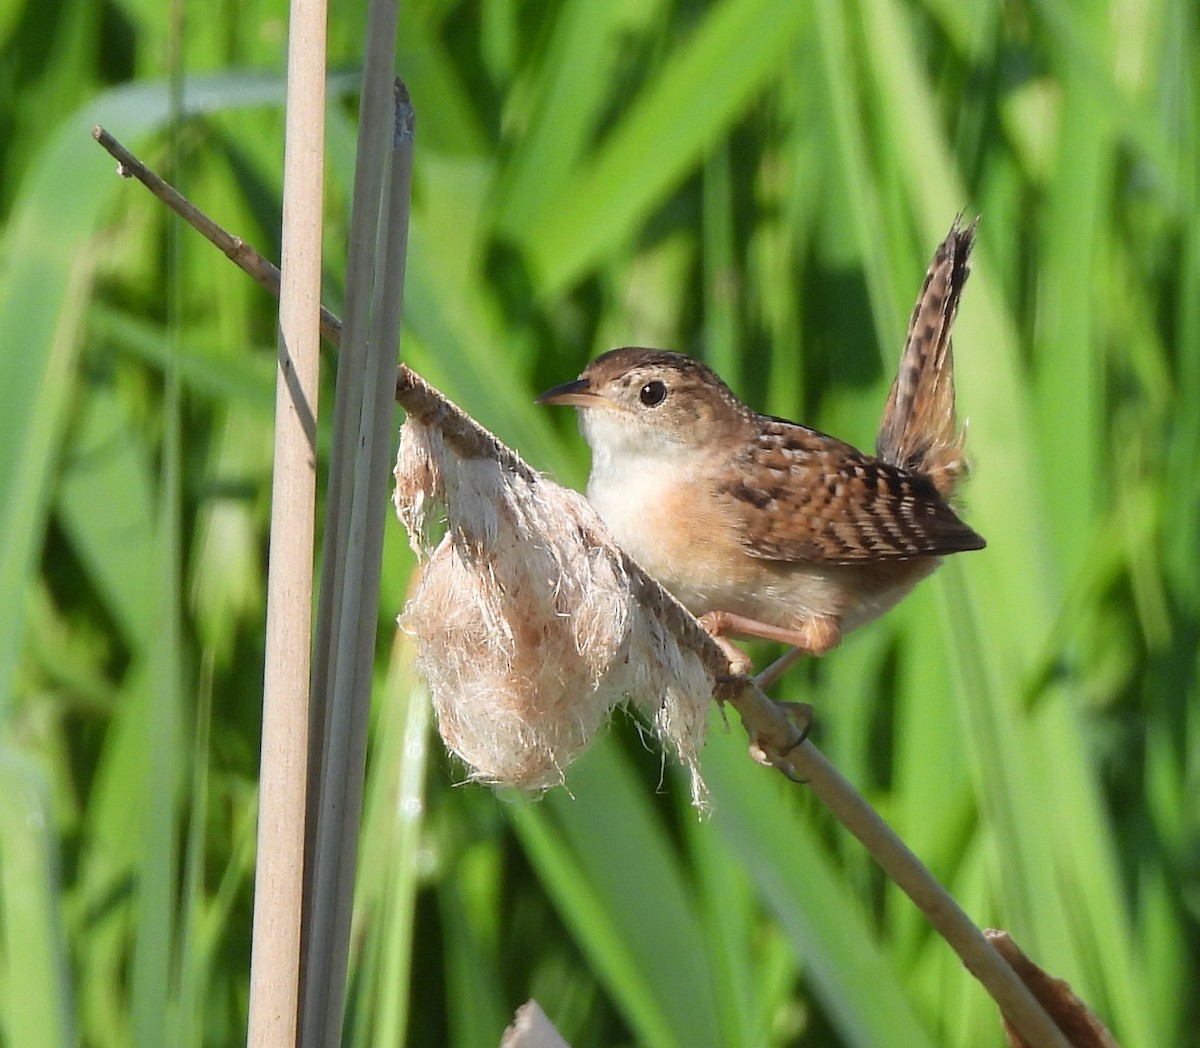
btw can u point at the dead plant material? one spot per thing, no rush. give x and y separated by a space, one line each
531 625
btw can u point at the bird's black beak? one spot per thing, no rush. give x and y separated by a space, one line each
577 394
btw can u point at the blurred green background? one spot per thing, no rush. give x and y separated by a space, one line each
762 183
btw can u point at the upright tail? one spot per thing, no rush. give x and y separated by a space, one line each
919 431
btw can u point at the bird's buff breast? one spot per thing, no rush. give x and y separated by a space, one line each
667 519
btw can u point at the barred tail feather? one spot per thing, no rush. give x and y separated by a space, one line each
919 431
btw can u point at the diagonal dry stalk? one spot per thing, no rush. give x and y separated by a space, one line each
777 738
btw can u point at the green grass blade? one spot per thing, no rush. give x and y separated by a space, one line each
605 862
36 1006
391 866
49 258
767 830
732 53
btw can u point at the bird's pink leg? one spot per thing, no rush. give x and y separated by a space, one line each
816 636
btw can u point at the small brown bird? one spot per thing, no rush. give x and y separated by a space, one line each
764 527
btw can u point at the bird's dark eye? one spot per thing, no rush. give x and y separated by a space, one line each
653 393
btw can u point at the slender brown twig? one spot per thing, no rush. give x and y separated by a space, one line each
776 735
264 272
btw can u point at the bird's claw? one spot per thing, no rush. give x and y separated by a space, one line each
771 752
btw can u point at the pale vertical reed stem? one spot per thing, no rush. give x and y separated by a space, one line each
279 874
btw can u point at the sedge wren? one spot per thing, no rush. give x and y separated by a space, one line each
764 527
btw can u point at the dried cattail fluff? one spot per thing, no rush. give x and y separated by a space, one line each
529 626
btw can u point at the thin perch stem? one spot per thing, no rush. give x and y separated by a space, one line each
249 261
801 761
775 734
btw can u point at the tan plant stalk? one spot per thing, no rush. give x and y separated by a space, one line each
275 969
